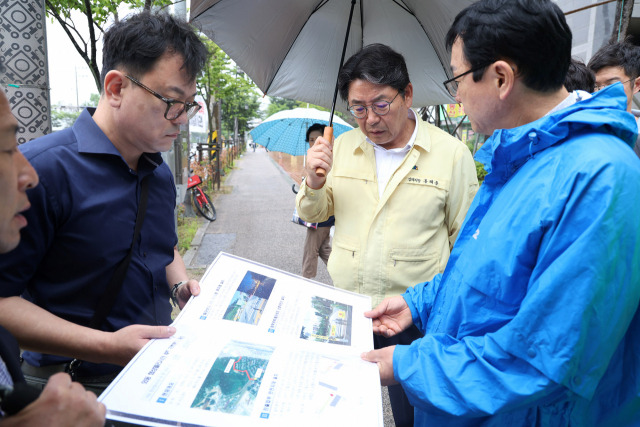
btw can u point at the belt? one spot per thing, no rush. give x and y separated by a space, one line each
49 370
43 371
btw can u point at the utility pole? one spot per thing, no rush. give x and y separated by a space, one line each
217 114
624 10
26 76
77 100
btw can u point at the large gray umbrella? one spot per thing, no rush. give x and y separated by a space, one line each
292 48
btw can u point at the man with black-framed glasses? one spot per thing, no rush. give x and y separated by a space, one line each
397 186
535 320
619 62
452 84
175 108
93 275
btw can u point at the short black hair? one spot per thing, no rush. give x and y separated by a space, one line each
532 33
135 43
316 126
617 54
579 77
377 64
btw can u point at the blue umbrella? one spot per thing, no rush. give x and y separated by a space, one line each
285 130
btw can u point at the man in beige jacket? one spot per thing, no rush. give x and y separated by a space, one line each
399 189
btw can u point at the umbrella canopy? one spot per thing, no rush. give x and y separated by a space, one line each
292 48
285 131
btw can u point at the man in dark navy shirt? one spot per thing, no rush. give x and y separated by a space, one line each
84 212
62 403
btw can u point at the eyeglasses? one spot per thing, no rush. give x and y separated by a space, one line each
600 87
175 108
451 85
380 108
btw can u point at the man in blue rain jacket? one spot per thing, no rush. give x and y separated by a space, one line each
535 319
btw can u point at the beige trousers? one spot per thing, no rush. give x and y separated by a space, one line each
316 244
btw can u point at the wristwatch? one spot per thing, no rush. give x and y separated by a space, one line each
174 291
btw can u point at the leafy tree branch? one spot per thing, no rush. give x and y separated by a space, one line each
97 14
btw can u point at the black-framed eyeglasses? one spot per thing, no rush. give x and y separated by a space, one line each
451 85
380 108
600 87
175 108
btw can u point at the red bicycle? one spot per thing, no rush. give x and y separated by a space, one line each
200 200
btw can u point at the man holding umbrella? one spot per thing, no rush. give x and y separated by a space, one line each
535 320
398 187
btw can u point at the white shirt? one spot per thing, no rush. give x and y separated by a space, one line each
572 98
387 161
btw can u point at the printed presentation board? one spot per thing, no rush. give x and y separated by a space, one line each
258 346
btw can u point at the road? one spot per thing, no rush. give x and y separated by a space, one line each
254 218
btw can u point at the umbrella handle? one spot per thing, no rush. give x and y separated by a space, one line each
328 135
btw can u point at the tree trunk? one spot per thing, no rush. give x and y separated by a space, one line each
218 114
88 54
624 11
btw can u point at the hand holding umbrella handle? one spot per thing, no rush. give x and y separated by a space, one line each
328 135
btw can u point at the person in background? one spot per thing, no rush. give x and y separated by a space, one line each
535 320
579 77
317 243
85 211
619 62
62 403
398 187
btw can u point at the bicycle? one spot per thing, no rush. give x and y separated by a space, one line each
200 200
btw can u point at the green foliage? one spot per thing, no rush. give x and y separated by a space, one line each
100 10
212 81
235 93
93 100
187 228
279 104
205 170
63 119
480 172
242 102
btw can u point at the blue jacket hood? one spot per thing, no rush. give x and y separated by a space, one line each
508 149
535 319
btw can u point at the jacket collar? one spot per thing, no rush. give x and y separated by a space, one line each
92 140
508 149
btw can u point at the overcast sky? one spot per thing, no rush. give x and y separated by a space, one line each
65 64
69 76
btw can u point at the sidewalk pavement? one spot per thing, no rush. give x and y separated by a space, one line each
254 222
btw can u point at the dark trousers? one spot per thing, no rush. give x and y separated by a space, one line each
39 376
402 409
